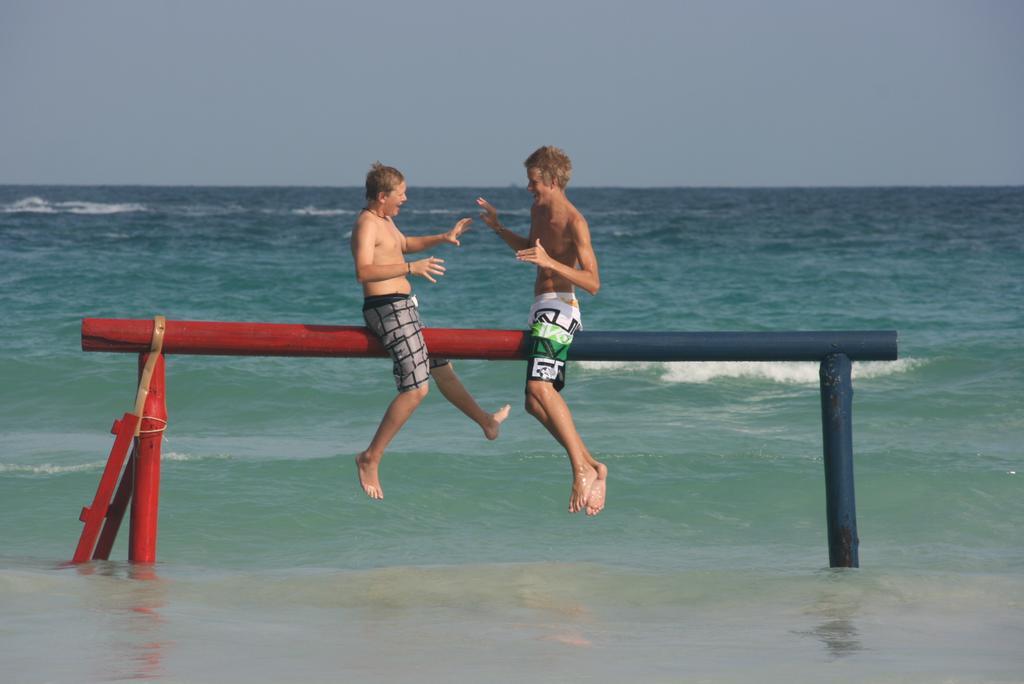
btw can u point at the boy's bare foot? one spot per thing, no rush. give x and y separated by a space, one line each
583 480
595 502
368 479
493 426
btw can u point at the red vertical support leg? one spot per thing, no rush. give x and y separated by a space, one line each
146 496
115 514
93 516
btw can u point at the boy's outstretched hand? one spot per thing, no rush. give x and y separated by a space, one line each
490 215
427 268
458 229
535 255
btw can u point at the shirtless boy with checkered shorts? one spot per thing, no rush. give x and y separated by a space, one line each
391 312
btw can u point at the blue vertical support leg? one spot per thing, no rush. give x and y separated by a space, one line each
837 433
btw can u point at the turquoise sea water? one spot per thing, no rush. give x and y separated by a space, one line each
709 563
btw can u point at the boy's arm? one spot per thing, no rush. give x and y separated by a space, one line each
418 244
490 217
586 276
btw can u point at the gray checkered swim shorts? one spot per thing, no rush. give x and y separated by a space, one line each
395 320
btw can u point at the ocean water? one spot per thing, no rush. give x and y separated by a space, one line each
709 563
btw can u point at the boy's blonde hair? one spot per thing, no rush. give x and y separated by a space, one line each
553 163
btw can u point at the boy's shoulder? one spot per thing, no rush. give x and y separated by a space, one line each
366 220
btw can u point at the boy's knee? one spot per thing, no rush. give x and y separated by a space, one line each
534 406
419 393
443 369
535 390
530 405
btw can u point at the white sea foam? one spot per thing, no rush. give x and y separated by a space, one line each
313 211
100 208
53 469
184 458
783 372
38 205
49 468
30 205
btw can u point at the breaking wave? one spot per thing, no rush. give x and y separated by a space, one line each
783 372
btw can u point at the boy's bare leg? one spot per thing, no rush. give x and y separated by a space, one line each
538 412
367 462
598 493
456 393
589 476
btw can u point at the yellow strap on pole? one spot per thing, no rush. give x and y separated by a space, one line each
156 345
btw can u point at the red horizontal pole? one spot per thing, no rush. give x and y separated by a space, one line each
218 338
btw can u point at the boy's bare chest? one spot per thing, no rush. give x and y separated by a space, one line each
554 235
389 238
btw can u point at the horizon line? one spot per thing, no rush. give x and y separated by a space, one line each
866 186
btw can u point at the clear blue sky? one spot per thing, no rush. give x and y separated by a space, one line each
640 93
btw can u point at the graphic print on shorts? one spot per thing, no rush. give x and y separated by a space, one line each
553 325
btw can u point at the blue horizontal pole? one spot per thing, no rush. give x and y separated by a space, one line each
865 345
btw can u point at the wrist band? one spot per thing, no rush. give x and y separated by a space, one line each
409 271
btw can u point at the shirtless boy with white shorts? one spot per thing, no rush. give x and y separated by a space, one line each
559 245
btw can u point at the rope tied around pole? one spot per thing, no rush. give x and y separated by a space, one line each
156 346
140 431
